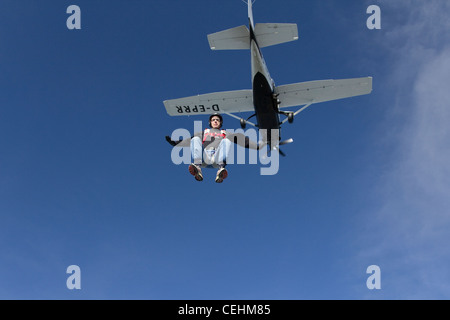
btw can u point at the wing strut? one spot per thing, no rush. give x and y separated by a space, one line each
236 117
298 111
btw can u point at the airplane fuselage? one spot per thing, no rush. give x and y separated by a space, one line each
266 108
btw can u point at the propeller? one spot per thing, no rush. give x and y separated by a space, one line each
283 143
279 151
277 148
286 141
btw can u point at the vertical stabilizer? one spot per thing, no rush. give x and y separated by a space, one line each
250 15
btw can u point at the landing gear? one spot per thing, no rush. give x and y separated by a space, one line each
243 123
290 117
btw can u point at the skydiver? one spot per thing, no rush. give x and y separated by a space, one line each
215 144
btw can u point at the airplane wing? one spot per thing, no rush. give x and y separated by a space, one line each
323 90
222 102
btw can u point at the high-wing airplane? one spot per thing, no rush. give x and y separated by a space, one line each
265 99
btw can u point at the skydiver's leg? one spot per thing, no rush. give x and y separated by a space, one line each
196 152
222 153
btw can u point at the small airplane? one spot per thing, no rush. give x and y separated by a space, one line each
265 100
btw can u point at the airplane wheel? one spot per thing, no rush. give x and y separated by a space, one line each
243 123
291 117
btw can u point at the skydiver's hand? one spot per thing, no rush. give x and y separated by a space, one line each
169 140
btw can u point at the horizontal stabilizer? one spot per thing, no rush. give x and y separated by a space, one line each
269 34
323 90
222 102
231 39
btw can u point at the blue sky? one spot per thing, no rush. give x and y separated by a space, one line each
86 177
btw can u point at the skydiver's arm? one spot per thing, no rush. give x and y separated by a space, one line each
243 141
172 142
183 143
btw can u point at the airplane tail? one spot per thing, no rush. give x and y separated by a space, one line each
266 34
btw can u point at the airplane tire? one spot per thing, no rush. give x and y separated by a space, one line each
291 117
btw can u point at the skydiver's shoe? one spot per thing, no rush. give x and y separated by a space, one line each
196 171
222 174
